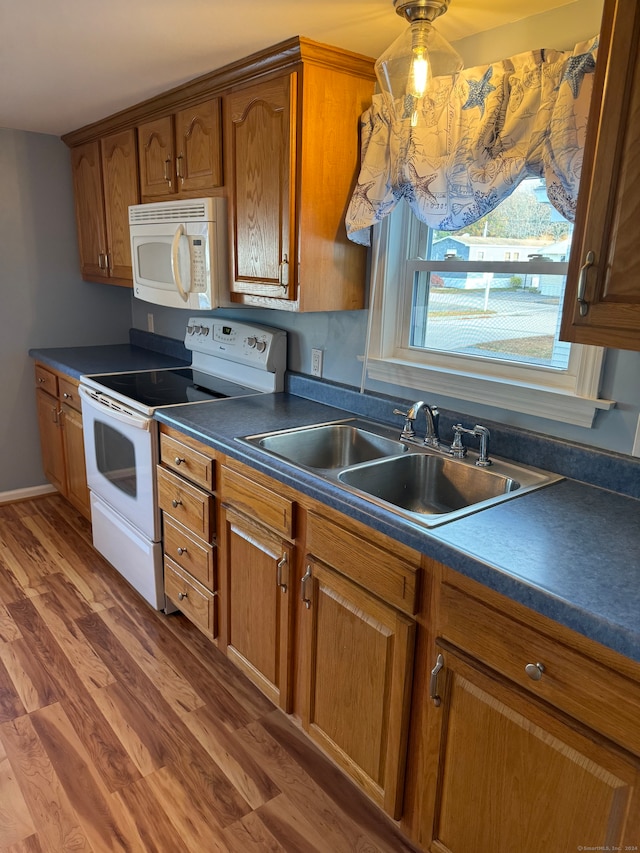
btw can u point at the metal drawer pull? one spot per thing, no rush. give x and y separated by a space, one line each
181 551
582 283
303 588
281 564
176 502
67 396
534 670
433 681
179 461
181 596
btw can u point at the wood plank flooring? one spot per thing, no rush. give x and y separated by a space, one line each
123 729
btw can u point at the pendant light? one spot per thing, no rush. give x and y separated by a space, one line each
406 67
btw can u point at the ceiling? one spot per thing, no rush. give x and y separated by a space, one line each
67 64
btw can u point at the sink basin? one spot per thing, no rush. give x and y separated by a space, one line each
429 485
329 446
432 489
410 480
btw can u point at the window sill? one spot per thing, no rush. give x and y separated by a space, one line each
553 404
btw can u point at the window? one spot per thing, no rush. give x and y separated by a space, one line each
457 320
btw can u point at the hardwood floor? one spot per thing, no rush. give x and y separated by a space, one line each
123 729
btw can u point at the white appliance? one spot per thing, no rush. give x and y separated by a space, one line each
229 359
179 253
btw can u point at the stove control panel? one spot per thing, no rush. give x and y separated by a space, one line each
260 348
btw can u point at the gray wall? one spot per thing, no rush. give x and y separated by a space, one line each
43 300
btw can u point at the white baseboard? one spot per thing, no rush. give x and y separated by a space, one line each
24 494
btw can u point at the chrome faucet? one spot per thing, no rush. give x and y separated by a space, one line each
432 437
432 417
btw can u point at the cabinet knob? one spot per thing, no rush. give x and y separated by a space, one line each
179 461
176 502
534 671
181 551
182 596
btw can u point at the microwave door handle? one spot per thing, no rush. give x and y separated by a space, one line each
175 266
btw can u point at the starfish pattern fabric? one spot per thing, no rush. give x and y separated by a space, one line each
478 134
479 91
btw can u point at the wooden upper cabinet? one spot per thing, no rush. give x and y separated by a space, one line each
602 301
199 147
120 179
262 119
105 181
182 153
293 148
92 236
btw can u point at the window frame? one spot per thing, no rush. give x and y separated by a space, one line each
569 396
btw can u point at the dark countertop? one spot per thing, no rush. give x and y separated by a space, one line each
570 551
145 351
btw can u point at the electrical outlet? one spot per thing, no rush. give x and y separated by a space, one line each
316 362
149 322
636 444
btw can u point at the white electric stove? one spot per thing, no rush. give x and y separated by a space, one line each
229 359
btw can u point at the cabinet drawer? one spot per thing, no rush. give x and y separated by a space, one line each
186 503
193 555
187 462
257 502
68 392
585 689
46 380
197 603
381 572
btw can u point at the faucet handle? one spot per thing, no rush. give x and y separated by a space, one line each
407 430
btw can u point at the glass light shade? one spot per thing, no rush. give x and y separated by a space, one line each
406 67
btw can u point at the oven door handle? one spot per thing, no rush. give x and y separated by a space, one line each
132 419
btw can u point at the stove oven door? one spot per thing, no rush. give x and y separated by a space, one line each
121 451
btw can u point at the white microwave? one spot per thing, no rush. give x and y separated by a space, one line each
179 253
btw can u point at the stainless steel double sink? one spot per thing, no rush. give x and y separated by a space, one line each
411 480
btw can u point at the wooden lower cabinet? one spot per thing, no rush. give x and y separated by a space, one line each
513 775
61 437
359 662
257 566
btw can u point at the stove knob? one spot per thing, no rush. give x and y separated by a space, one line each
190 329
251 342
261 346
204 330
197 330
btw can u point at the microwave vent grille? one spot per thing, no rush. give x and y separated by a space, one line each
189 210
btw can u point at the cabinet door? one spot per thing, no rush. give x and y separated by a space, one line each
156 153
602 302
512 775
73 440
359 655
87 183
120 180
257 563
199 147
263 127
51 441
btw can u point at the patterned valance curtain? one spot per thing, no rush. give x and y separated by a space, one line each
477 136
